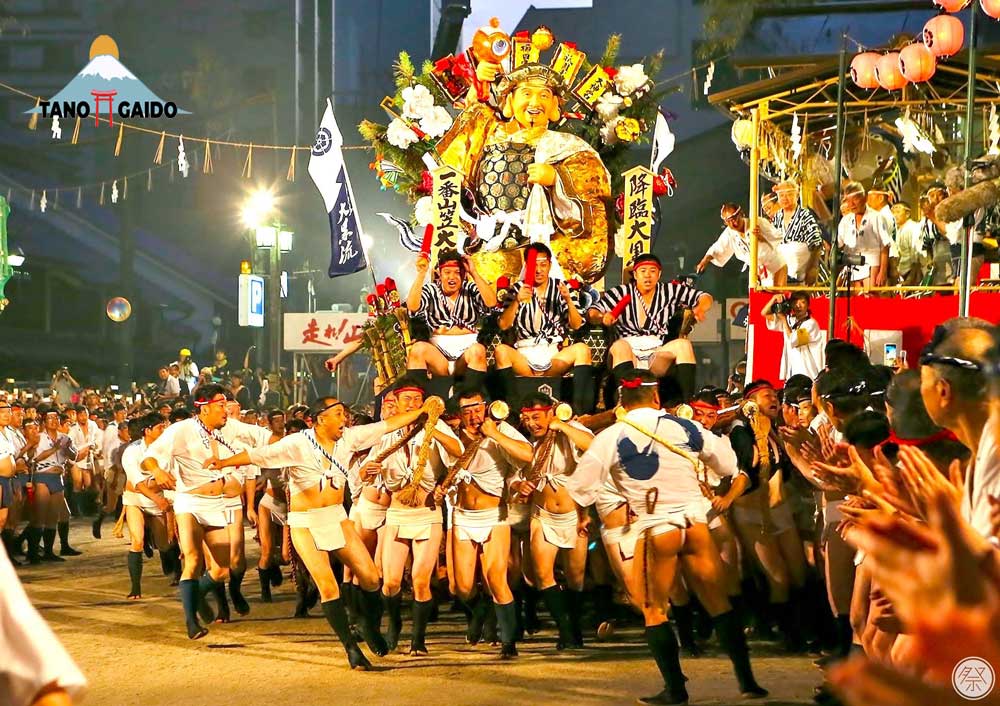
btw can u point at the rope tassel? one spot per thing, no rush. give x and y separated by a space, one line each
76 130
248 164
158 157
291 167
33 120
207 164
118 143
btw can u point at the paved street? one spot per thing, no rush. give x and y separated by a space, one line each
138 653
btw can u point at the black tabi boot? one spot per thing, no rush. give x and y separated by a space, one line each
623 370
421 616
475 379
683 619
478 606
507 625
347 597
684 374
190 600
147 542
663 646
518 614
556 604
336 616
33 554
733 641
236 591
64 548
276 576
166 562
9 543
508 385
491 632
574 606
264 576
788 622
49 542
206 587
583 389
95 526
135 574
604 604
531 622
369 609
301 592
178 565
393 606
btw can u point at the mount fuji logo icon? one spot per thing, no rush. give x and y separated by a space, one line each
105 83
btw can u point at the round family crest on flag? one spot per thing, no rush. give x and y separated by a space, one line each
324 142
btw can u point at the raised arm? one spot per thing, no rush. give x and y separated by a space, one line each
581 438
486 291
413 298
517 448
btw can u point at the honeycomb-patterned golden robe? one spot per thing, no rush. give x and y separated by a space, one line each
493 155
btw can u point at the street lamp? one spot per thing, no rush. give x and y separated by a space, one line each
260 216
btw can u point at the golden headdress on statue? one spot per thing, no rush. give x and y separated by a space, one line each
532 72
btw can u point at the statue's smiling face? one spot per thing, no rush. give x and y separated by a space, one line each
534 104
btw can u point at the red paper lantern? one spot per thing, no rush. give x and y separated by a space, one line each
888 74
952 5
863 69
944 35
917 63
991 8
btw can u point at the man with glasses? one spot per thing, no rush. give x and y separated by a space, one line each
955 390
541 314
867 233
735 242
179 460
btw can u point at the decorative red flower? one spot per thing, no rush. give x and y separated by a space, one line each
574 284
611 72
620 205
426 183
659 186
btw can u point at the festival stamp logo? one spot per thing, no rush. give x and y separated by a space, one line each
973 678
105 83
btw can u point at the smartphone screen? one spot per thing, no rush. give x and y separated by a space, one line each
891 354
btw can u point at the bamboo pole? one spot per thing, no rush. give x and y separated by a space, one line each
965 264
837 173
754 197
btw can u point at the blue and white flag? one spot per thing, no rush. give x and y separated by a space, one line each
329 173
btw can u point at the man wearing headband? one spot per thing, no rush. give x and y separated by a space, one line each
802 237
735 241
13 437
180 460
641 312
558 525
316 461
110 441
86 471
370 498
145 504
55 449
865 232
481 535
452 307
541 315
10 447
661 485
769 206
762 518
415 528
913 261
802 352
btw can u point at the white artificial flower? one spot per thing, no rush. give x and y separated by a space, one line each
629 79
400 135
608 106
423 211
620 241
436 121
608 132
417 102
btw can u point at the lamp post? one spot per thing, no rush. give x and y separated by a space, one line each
257 211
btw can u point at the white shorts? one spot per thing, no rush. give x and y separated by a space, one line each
539 355
796 257
133 499
208 510
781 518
278 511
643 347
453 346
663 519
769 261
369 514
323 524
519 518
558 528
622 538
412 522
703 512
477 525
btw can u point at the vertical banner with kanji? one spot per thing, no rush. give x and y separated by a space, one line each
329 173
567 62
447 199
592 87
524 51
638 212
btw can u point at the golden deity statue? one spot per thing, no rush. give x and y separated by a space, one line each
529 183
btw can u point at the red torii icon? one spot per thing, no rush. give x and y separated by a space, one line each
108 96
